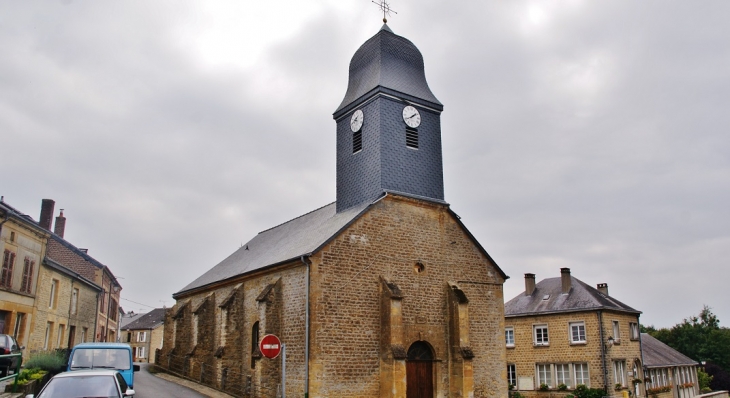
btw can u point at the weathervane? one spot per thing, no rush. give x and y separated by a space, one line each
385 7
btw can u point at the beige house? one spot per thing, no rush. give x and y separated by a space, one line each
22 247
145 335
668 372
383 293
561 333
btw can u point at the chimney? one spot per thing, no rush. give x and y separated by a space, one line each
60 225
46 219
603 288
565 279
529 284
84 250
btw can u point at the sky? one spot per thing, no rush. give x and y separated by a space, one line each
592 135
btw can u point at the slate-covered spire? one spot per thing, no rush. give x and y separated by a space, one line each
377 151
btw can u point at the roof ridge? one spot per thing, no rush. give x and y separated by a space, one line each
78 251
286 222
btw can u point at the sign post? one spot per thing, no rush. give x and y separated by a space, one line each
271 347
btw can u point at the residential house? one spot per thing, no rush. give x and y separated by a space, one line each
383 293
64 253
145 335
22 246
561 333
668 372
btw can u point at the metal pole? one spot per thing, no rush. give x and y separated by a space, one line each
283 371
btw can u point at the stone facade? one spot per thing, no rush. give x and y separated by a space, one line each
405 272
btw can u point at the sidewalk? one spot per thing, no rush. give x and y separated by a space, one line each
207 391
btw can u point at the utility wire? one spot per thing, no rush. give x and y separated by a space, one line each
137 302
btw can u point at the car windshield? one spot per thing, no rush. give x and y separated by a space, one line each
97 386
104 358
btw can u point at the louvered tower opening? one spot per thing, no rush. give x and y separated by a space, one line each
412 138
357 141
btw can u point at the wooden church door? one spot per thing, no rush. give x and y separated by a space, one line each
419 371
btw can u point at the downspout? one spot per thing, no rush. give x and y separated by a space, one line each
149 345
603 352
306 331
641 352
96 313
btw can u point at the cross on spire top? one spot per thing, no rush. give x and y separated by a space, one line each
385 7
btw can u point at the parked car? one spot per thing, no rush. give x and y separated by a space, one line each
117 356
86 383
8 346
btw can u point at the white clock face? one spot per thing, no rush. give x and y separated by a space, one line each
356 121
411 116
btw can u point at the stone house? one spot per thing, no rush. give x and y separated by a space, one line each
383 293
64 253
22 246
668 372
145 334
562 331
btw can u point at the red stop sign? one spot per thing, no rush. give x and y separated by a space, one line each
270 346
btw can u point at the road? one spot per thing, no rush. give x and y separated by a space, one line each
147 385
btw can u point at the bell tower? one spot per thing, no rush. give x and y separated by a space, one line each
388 125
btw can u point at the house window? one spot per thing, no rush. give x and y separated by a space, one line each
634 330
616 333
511 374
577 332
140 353
59 338
113 309
83 335
562 374
580 372
101 302
357 141
509 336
541 335
54 289
6 279
141 337
74 300
544 375
196 320
47 339
619 373
254 343
27 282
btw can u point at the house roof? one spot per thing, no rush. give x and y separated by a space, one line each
150 320
11 212
391 62
548 298
298 237
127 319
657 354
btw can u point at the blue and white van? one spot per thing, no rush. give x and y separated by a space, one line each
104 356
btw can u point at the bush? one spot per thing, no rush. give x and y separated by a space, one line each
50 361
581 391
562 387
517 395
29 374
544 387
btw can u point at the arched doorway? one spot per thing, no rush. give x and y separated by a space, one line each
419 371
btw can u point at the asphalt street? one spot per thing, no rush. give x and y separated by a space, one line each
147 385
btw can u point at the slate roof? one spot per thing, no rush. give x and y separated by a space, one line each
150 320
126 319
659 355
301 236
388 61
10 211
581 297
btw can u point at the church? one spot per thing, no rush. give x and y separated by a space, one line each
382 293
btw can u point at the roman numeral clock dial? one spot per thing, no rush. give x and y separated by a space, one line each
411 116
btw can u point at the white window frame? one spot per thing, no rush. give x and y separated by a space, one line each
634 331
563 375
581 327
509 336
585 376
140 352
544 339
74 301
59 338
512 371
52 299
546 370
141 337
619 372
83 335
616 332
47 339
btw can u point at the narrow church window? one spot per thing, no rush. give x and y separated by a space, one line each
254 343
357 141
412 138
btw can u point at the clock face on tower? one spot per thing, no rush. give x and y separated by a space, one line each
411 116
356 120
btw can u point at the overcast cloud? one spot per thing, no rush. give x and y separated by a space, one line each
583 134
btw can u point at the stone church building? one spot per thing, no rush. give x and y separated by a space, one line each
383 293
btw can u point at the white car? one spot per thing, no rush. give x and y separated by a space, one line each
86 383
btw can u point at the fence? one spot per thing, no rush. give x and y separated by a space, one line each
7 370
